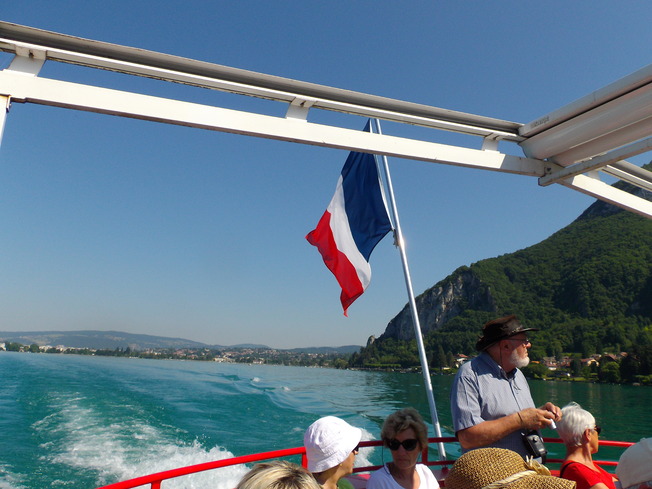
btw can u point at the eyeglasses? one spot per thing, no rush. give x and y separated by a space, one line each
409 444
597 429
524 341
356 449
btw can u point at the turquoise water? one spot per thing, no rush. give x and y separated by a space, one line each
80 422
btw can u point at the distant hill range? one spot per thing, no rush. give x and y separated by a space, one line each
587 287
110 340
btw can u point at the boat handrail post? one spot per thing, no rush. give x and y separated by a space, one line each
413 306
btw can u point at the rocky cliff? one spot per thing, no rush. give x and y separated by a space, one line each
439 304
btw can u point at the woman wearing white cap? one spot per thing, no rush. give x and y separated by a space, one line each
331 446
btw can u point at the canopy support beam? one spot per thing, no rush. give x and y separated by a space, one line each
598 163
69 95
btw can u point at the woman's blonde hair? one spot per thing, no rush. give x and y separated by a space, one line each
278 474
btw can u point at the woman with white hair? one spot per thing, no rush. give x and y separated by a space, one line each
579 432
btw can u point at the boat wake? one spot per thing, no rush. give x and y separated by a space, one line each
80 439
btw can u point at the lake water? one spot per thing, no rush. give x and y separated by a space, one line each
80 422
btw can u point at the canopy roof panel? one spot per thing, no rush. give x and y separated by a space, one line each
569 146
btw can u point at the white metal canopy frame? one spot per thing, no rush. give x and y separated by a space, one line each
571 146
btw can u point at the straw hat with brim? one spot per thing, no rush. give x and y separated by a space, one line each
329 441
500 329
497 468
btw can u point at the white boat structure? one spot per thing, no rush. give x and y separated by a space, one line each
573 146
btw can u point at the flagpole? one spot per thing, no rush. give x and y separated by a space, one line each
413 304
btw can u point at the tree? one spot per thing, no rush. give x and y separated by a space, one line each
576 366
33 348
609 372
440 358
340 363
536 371
13 346
629 368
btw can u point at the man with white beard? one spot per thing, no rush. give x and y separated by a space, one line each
491 402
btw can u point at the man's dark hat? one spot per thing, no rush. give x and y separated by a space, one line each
499 329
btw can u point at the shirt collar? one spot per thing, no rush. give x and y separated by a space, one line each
493 366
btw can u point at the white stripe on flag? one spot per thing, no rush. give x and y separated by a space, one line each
344 239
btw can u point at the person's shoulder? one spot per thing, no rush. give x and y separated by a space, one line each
468 366
427 473
344 483
425 469
571 467
475 366
378 478
378 473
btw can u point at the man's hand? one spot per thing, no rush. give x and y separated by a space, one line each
489 432
535 419
556 410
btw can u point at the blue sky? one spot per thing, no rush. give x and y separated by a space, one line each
117 224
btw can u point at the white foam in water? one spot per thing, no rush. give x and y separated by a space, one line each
8 480
128 449
363 458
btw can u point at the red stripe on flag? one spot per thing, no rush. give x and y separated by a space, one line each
336 261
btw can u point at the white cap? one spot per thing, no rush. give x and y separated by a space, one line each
328 442
635 464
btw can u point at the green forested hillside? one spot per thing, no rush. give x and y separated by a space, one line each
588 287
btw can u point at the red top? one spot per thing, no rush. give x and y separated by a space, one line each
584 476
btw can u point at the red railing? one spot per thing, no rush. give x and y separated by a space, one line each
155 480
603 443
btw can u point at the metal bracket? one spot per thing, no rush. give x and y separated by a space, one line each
27 61
597 163
299 107
490 142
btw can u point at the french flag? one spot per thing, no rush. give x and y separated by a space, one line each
354 222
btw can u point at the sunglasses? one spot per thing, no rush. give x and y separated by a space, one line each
597 429
356 449
409 444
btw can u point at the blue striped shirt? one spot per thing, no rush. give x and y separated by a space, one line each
483 391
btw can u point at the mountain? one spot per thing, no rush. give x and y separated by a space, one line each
98 340
337 350
587 287
110 340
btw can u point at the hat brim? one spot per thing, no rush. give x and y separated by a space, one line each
542 482
484 343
